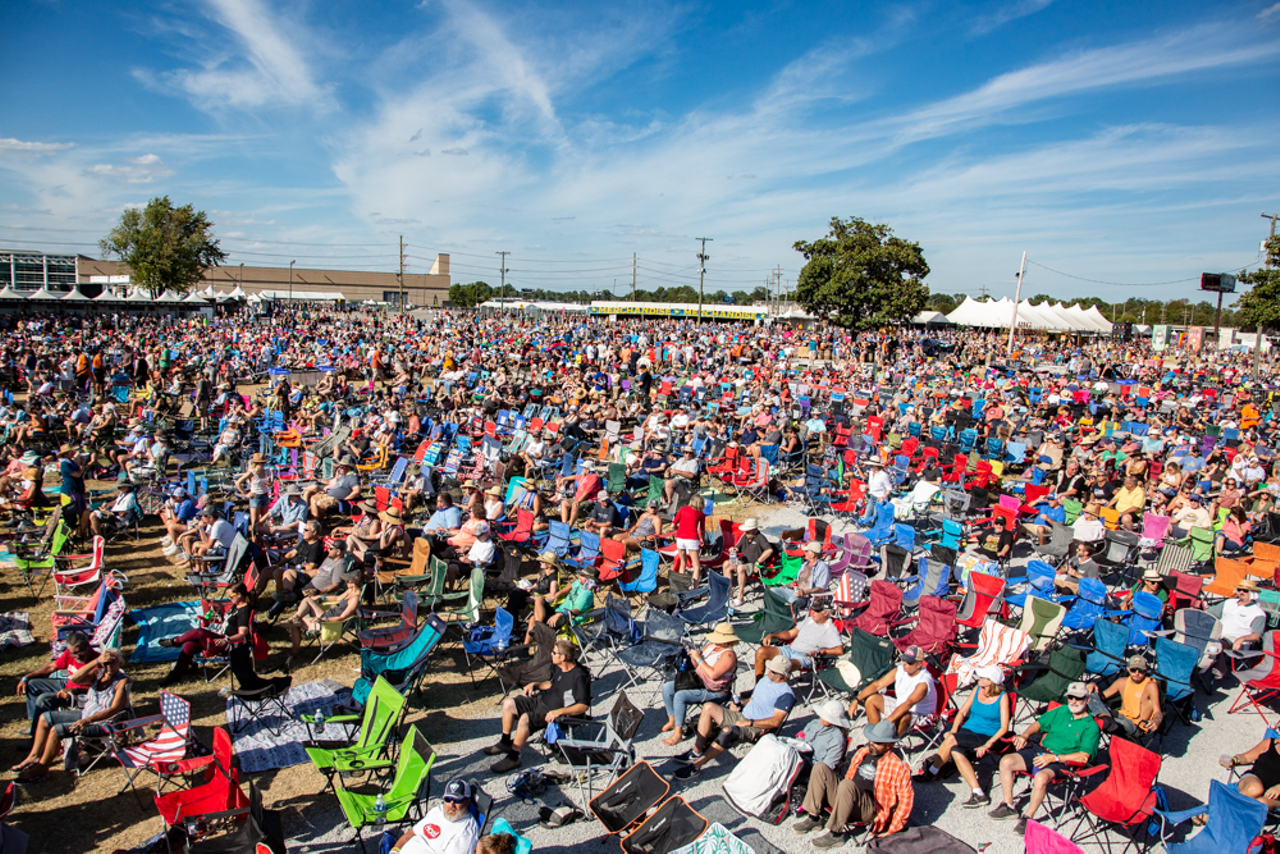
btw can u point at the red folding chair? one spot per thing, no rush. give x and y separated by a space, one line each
1123 801
1261 683
219 793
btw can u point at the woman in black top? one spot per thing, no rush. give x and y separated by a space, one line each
217 638
1262 780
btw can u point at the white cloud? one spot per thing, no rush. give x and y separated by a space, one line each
1011 12
9 145
137 170
1269 11
263 67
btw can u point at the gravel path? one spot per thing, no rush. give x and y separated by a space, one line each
1190 762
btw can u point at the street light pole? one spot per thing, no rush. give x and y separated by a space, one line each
702 271
1017 298
1257 346
291 263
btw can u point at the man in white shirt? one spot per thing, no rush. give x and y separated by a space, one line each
915 694
448 828
1239 615
1088 528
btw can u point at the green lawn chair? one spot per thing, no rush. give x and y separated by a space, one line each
788 571
430 587
472 599
407 794
871 657
1201 542
1065 665
382 714
776 616
617 479
1041 620
656 485
42 561
1073 509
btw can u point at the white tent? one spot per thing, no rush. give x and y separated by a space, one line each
195 298
45 294
207 292
108 296
982 314
75 296
1096 317
139 295
8 293
237 293
167 297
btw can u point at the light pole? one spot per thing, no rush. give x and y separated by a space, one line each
291 263
702 271
1017 297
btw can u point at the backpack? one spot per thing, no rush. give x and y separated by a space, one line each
761 784
1162 804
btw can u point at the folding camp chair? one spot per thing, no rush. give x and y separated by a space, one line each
1124 801
488 645
161 754
590 747
1261 683
714 610
646 661
405 796
219 793
868 658
381 716
518 670
998 646
1049 680
935 629
983 595
1235 820
1041 620
881 612
776 615
1107 654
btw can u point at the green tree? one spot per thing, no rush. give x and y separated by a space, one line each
860 276
466 296
942 302
1261 305
164 247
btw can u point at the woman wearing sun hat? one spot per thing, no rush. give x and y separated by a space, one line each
255 485
714 666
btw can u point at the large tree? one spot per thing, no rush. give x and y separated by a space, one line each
860 276
163 246
1261 305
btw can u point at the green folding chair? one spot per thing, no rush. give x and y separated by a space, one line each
1201 542
431 591
382 713
42 561
788 571
1041 620
871 657
776 616
1073 509
407 794
472 599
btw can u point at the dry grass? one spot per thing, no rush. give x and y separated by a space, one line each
65 814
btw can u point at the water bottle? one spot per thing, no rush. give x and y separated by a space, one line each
319 720
224 691
380 810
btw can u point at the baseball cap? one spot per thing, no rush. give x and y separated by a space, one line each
912 654
457 789
1137 662
1078 690
780 665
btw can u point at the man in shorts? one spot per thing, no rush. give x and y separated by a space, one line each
817 634
915 694
1069 737
566 694
720 728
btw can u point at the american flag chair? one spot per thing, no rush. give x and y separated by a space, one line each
164 753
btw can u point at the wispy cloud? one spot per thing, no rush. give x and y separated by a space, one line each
9 145
136 170
259 67
1004 15
1274 9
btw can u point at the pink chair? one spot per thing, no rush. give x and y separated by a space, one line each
1042 840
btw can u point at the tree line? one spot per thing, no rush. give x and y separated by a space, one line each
475 293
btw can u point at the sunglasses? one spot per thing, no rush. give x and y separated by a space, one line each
449 800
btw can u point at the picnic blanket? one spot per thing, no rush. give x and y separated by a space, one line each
161 621
259 749
15 630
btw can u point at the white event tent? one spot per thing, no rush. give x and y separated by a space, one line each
1047 316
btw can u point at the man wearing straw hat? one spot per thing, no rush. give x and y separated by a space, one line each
1242 618
876 791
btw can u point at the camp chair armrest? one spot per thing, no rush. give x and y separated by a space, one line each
136 723
336 719
1086 770
348 764
695 593
575 721
1177 817
1249 653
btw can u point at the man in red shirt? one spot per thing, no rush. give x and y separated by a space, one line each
45 694
689 521
586 486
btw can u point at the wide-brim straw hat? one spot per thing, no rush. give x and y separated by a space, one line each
391 515
368 506
723 634
550 559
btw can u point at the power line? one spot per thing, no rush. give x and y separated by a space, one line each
1125 284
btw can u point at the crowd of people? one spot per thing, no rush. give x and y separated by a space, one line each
621 432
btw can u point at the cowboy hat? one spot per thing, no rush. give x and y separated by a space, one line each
391 515
550 559
468 484
1247 584
833 712
750 525
723 634
494 490
257 458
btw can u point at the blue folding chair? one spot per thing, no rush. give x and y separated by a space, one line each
1234 821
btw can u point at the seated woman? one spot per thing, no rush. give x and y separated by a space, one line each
714 669
646 531
314 611
1262 780
232 629
364 533
1234 535
106 700
982 721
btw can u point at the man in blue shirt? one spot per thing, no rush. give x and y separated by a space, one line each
446 518
290 509
765 712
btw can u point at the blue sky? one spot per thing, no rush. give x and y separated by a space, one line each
1132 144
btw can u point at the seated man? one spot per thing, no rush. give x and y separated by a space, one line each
1088 528
817 634
305 558
45 692
1139 701
813 579
876 791
286 515
578 490
575 605
1041 527
720 729
683 470
1069 736
915 696
642 467
1129 502
603 518
178 512
752 553
1082 565
123 511
1241 618
446 517
344 486
450 827
566 694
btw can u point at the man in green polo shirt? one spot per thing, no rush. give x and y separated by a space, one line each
1070 737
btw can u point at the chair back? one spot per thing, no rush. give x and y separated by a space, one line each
381 714
1175 662
980 598
1147 613
1041 620
1109 643
1234 821
1125 796
647 582
1042 840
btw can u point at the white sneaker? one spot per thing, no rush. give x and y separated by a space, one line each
166 540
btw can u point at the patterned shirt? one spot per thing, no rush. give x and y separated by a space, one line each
893 792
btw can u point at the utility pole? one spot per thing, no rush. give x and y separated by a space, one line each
400 275
1017 298
1257 353
633 277
502 271
291 263
982 292
703 257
